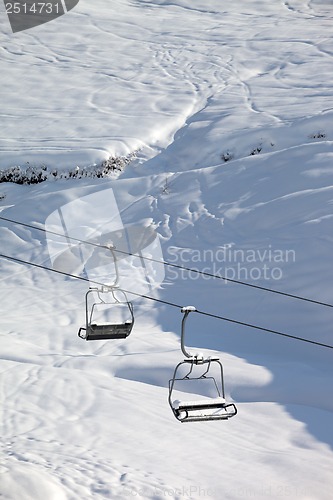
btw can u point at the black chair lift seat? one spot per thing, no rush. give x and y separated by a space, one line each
105 331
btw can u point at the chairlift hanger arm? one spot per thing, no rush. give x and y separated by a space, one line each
186 310
110 246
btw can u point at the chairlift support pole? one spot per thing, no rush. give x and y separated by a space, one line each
186 310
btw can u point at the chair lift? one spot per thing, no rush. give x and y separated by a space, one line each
95 330
106 330
209 408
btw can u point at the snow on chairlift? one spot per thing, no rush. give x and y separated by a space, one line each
201 371
97 330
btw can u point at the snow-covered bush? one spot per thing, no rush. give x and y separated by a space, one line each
35 174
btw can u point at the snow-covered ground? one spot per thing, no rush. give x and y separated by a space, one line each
229 110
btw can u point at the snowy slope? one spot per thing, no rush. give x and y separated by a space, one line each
192 86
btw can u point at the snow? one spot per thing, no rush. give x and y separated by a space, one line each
228 108
177 403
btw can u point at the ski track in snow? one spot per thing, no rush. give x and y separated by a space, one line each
72 473
189 85
200 60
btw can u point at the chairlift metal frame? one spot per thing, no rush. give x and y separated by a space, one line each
105 331
206 409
